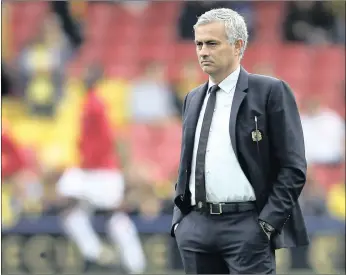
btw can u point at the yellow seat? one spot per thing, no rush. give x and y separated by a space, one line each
33 132
115 94
336 200
12 109
72 99
9 216
59 155
74 89
68 114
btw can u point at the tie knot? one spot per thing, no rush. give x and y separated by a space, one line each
213 89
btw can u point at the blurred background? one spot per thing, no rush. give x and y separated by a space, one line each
146 54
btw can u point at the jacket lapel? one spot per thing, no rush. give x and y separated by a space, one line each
195 106
239 95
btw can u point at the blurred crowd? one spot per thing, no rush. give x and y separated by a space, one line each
133 45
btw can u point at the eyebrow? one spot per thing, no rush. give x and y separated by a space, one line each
208 41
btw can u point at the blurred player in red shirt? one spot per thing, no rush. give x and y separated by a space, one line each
12 162
22 191
98 184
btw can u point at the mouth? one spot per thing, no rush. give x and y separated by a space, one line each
206 62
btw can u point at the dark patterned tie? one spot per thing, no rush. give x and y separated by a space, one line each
200 192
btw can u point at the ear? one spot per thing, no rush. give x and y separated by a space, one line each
238 45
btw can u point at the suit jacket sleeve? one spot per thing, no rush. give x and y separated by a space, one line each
177 215
287 144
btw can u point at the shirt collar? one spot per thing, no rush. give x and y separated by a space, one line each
228 83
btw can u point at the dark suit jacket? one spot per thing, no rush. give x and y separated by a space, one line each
276 168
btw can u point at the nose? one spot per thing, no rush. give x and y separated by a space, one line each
203 52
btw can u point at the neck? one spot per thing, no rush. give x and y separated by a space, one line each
218 78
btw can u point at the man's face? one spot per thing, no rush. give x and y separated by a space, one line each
215 54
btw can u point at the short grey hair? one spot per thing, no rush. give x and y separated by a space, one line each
234 24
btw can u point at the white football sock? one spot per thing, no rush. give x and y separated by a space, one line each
123 233
78 227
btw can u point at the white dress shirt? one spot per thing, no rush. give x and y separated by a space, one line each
224 179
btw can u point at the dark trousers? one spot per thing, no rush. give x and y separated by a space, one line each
224 244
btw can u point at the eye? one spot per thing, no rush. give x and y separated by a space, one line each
199 45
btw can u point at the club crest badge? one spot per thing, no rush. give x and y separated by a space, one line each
256 135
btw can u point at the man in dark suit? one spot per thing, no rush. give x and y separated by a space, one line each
242 164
